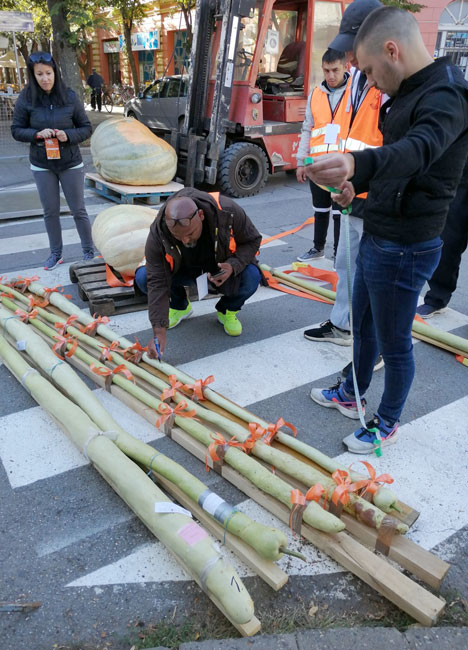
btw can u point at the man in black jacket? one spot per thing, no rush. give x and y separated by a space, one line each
96 83
196 233
411 181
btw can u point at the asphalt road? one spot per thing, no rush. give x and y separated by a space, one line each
67 540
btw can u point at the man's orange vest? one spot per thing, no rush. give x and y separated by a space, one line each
322 114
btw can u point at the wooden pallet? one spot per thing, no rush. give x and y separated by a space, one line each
149 194
103 299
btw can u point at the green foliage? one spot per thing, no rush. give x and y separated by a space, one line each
407 5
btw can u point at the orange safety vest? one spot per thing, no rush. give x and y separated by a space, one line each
322 114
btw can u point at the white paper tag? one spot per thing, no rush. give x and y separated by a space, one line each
332 131
21 345
202 285
167 507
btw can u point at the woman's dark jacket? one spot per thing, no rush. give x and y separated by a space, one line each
28 120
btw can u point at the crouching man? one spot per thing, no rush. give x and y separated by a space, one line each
197 233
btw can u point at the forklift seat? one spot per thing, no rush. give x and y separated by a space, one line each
292 60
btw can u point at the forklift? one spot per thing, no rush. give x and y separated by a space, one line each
252 65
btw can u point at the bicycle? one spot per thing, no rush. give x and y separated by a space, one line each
107 100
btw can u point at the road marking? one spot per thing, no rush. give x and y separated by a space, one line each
33 447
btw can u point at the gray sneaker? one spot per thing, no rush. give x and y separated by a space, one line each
328 332
312 254
428 311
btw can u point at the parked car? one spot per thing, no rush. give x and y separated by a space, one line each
161 105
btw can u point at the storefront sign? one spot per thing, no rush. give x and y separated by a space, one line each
142 41
110 47
16 21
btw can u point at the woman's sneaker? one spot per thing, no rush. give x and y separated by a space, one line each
336 398
88 256
311 254
365 441
52 261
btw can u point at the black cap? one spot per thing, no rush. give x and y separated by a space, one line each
353 18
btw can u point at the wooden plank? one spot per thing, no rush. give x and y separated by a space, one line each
267 570
168 188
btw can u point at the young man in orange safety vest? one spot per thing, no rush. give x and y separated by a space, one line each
362 105
325 117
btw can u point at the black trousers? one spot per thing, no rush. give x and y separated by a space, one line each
322 204
96 95
455 237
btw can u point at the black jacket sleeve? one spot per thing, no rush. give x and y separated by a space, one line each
439 119
83 128
20 128
159 281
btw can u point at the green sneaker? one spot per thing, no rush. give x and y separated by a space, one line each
232 326
176 315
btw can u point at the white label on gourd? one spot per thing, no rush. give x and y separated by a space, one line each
166 507
212 503
21 345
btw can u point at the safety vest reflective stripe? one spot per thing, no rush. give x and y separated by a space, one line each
326 148
358 145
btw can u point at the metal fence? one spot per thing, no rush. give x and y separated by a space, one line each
8 146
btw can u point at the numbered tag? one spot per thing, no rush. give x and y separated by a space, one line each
332 131
52 148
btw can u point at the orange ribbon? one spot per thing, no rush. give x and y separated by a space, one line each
198 387
307 222
25 316
317 274
220 441
62 327
462 359
106 372
136 351
256 433
91 328
274 428
106 354
23 283
274 283
343 485
299 503
166 412
35 301
5 294
60 347
371 484
57 289
168 393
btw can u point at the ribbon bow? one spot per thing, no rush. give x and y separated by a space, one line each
35 301
107 372
135 352
25 316
23 283
167 411
220 441
57 289
91 328
62 327
299 503
373 483
198 387
343 486
106 353
168 393
256 433
60 348
273 429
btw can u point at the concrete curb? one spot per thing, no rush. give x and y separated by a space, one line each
364 638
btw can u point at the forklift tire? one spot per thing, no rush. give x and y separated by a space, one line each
243 169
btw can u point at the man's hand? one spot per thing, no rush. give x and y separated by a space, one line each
160 334
331 169
346 196
226 271
61 135
301 175
45 133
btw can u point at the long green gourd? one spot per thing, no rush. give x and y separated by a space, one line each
269 542
384 498
178 532
314 514
304 284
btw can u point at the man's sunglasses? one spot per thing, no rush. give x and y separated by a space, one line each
183 221
40 57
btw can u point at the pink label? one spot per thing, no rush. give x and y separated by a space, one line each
192 533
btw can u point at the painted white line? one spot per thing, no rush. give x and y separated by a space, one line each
28 243
153 563
33 447
429 463
59 275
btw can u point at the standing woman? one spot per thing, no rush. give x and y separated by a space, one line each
52 118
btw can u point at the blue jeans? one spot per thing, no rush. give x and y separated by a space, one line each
389 277
249 280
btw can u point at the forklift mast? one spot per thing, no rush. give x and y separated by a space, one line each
242 119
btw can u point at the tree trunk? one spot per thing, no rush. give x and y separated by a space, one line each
127 28
63 50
